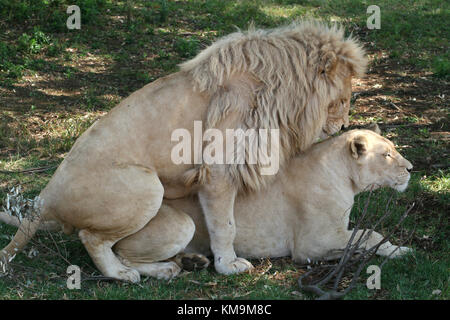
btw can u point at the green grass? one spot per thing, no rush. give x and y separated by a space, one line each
55 82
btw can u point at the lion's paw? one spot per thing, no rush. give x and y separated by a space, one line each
127 274
170 270
192 261
237 265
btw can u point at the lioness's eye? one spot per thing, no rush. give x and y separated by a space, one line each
387 154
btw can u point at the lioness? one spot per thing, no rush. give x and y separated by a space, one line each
112 182
303 214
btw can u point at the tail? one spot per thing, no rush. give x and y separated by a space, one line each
28 213
15 222
27 229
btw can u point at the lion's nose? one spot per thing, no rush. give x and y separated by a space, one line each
409 167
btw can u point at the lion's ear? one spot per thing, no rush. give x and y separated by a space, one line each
328 63
358 146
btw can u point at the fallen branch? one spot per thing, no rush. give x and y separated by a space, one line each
353 255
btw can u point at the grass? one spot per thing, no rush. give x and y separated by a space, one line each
55 82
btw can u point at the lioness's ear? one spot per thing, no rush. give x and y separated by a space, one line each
358 146
328 63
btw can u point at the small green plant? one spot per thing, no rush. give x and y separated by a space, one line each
55 48
186 48
33 43
164 11
5 51
90 100
143 76
8 67
163 55
13 71
412 119
441 67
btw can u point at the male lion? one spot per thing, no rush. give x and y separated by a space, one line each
303 214
112 182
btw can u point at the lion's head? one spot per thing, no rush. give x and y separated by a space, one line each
284 78
376 161
338 112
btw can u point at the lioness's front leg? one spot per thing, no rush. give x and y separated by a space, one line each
217 201
386 249
369 239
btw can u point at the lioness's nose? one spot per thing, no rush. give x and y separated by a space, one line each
409 166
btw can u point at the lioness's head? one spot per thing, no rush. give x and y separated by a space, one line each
377 163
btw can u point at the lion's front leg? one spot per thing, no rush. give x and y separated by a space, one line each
217 201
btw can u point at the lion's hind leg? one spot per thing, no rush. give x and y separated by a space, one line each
159 270
131 197
166 235
106 261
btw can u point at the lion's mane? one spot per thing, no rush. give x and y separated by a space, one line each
281 78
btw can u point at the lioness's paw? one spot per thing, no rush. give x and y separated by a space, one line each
401 251
237 265
392 251
127 274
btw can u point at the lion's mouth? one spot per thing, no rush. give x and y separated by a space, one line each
332 127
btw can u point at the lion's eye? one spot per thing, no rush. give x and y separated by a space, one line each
387 154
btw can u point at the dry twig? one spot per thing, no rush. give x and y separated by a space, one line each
31 170
353 255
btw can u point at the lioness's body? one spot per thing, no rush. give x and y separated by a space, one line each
303 214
